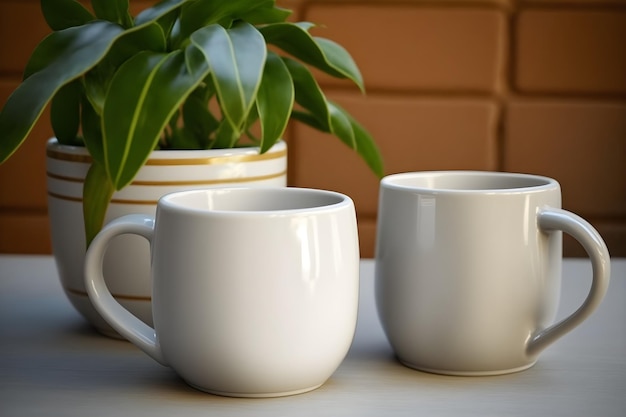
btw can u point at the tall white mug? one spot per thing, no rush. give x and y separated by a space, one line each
468 269
255 291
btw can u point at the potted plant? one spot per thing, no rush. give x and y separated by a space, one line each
182 74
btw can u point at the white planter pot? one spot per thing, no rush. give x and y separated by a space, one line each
127 262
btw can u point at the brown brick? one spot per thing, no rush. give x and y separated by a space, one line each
367 237
581 144
409 46
613 234
571 3
571 51
23 175
22 27
412 133
24 233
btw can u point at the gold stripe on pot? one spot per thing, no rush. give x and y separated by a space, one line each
65 197
113 201
215 160
70 157
64 177
209 160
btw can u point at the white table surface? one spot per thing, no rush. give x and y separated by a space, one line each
53 364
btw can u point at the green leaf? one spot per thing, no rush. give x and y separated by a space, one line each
338 58
366 147
274 100
63 14
142 97
340 125
96 83
183 138
97 193
198 119
202 13
266 15
92 132
308 93
60 58
115 11
65 113
326 55
159 10
356 137
167 22
236 58
196 63
252 118
225 136
149 37
74 49
309 119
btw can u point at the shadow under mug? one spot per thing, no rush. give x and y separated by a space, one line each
254 291
468 269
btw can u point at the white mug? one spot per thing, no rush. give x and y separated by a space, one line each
255 291
468 269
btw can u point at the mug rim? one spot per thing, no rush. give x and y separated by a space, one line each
168 201
536 183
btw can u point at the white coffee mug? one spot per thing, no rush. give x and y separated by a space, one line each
255 291
468 269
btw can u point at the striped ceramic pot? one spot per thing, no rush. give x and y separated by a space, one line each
127 262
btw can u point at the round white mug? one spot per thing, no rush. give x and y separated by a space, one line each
255 291
468 269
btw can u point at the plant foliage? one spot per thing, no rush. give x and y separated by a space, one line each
123 86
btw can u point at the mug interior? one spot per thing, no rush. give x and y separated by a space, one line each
254 199
468 181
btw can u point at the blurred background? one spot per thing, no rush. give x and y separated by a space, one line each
536 86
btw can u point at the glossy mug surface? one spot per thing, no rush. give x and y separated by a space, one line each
255 291
468 269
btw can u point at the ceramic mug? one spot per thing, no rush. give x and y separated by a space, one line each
468 269
255 291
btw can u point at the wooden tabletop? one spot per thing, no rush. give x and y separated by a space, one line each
53 364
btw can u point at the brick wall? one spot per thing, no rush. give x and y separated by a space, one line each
534 86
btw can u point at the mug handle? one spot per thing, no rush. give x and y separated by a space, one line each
553 219
122 320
